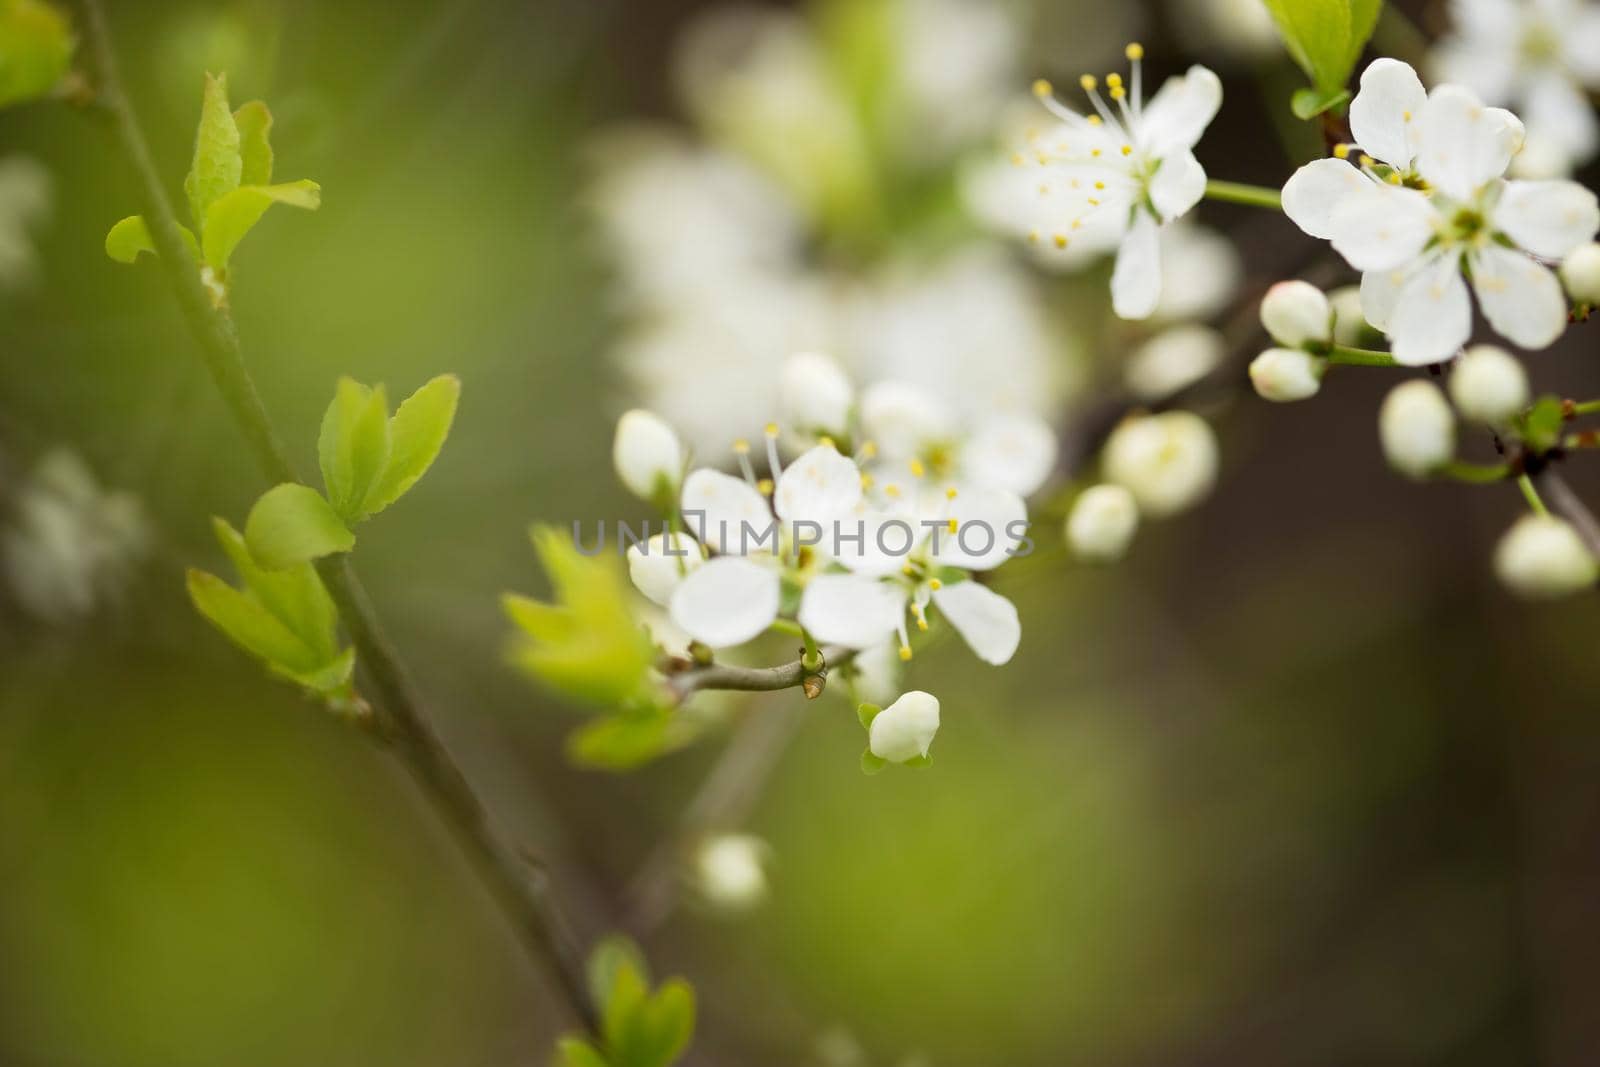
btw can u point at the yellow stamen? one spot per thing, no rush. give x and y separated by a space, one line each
1095 153
1093 120
1134 51
1368 161
826 440
764 487
907 569
1127 149
905 652
1099 185
868 449
1118 93
741 447
953 525
1341 151
1114 80
950 493
922 623
1016 159
1395 179
917 469
772 429
935 584
1088 82
1061 240
891 491
1042 88
1033 237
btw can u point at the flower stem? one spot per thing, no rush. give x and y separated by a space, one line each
1531 495
400 721
1240 193
1587 407
1345 356
812 660
1475 473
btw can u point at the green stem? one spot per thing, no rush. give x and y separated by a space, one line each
1475 473
1531 495
1588 407
399 719
1239 193
812 660
787 626
1345 356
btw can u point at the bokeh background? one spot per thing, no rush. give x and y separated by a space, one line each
1295 783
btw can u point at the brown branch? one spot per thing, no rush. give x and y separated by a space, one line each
399 718
685 679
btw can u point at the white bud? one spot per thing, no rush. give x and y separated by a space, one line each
1542 557
1296 314
1417 428
1580 272
1285 374
661 562
1349 321
815 395
730 870
1489 384
905 729
1173 360
1168 461
1102 522
647 454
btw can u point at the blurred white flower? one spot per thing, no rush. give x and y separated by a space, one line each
1117 175
1103 521
730 870
815 395
905 729
1414 243
660 563
1349 324
1172 361
1489 384
1167 461
954 65
1542 557
25 202
1297 314
1286 374
647 456
1237 30
70 547
1580 273
1540 56
1200 272
1417 428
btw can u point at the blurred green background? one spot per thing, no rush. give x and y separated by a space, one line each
1294 784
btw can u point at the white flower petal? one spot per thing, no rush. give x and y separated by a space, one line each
1432 316
1548 218
986 620
1581 43
1521 298
820 486
727 602
1382 226
815 394
1313 192
1011 452
1136 280
1380 292
1178 185
1384 115
1176 116
659 564
1168 461
725 512
905 729
902 420
1557 111
989 523
851 610
1463 143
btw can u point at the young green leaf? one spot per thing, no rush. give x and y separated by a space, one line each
576 1052
235 213
607 961
131 236
217 163
664 1025
865 713
255 146
296 596
353 446
1309 103
871 764
1325 37
248 624
417 433
621 742
1363 21
293 524
35 49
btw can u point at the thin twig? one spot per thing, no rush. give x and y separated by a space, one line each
686 683
1562 500
400 720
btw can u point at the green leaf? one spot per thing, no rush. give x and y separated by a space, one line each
1544 423
871 764
35 49
1309 103
353 446
629 989
131 236
255 147
622 742
296 597
1325 37
866 713
235 214
217 162
1363 21
247 623
576 1052
663 1027
607 961
293 524
417 433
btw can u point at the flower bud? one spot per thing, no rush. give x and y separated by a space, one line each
815 395
730 870
1542 557
1296 314
1285 374
1102 522
1173 360
658 564
647 455
1417 428
1489 385
1580 272
1168 461
1349 321
904 730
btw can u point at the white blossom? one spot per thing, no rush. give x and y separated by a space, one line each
1286 374
1115 177
1349 324
905 729
1580 273
1103 521
658 564
1417 428
1167 461
1173 360
730 870
1488 384
1541 56
25 203
1297 314
1440 205
816 396
1542 557
647 455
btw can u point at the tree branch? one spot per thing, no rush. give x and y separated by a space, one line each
684 680
399 718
